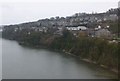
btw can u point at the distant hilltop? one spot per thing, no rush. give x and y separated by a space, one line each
74 20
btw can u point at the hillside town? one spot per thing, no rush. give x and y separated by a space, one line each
80 24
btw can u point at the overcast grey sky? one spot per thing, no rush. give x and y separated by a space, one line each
23 11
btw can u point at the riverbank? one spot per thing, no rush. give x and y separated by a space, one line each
114 71
44 63
93 62
103 73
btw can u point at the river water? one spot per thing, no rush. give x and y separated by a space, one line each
20 62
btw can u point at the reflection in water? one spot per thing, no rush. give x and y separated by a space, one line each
28 63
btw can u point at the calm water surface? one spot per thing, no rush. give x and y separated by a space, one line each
28 63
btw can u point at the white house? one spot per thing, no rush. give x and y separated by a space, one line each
77 28
82 28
